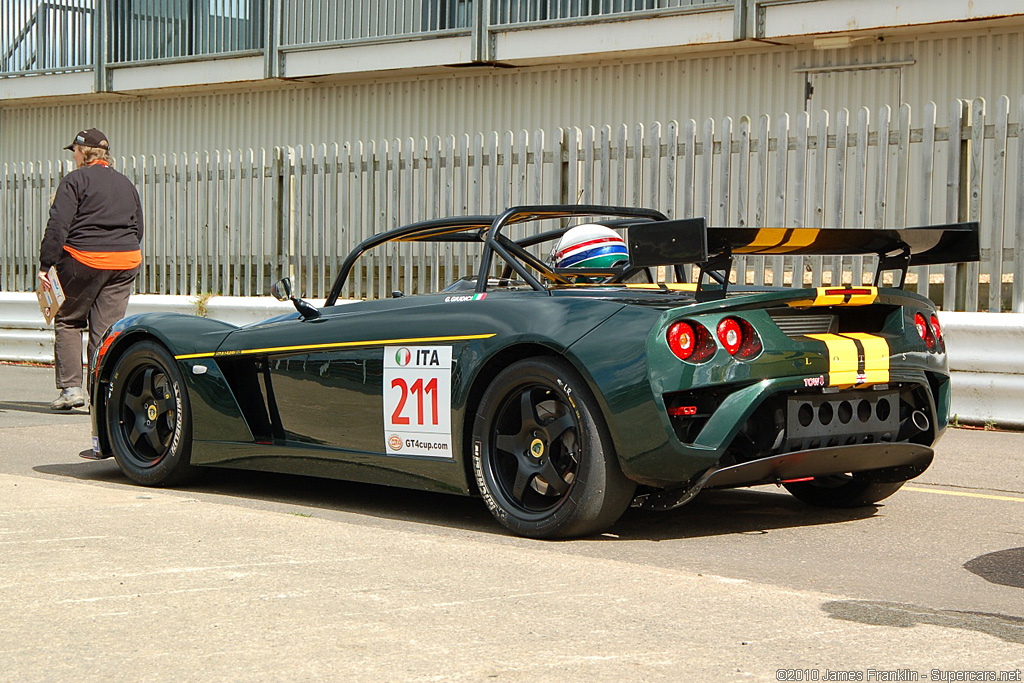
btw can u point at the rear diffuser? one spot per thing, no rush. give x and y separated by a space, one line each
879 462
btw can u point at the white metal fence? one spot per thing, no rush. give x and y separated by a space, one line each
322 22
147 30
505 12
231 222
42 36
55 36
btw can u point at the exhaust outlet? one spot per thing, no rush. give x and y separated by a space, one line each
914 424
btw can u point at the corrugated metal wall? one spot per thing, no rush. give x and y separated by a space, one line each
985 63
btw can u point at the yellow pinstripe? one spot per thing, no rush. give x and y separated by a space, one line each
334 345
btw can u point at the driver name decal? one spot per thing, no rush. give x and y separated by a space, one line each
465 297
417 400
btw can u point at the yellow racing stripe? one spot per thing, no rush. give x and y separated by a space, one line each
855 358
842 359
876 356
766 238
801 238
839 296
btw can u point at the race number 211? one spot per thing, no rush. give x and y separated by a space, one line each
417 400
418 390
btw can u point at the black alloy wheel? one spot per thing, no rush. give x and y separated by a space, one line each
543 464
536 441
149 417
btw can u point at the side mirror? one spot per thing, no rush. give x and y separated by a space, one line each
282 291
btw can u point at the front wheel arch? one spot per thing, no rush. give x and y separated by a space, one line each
147 415
99 387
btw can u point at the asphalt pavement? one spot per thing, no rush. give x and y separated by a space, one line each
263 577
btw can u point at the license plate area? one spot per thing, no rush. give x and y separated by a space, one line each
841 419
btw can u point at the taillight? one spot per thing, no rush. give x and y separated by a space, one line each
739 338
922 331
690 341
730 334
682 340
937 328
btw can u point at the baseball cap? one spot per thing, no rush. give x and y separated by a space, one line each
90 137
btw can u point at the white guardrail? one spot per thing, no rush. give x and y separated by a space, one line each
25 336
986 350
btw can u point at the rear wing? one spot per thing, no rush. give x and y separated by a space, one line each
670 243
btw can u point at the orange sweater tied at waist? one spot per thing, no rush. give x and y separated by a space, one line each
106 260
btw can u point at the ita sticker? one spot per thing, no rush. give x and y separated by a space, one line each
417 400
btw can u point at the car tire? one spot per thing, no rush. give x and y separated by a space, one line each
543 461
842 491
149 418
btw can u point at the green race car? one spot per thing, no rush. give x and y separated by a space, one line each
560 390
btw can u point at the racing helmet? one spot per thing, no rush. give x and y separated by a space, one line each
589 245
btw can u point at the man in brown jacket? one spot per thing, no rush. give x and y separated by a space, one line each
93 237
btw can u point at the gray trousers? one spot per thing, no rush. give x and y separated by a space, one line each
96 299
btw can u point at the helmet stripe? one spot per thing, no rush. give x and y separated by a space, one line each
589 243
606 255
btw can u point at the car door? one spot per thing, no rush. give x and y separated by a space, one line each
370 377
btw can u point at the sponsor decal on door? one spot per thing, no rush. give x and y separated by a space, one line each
417 400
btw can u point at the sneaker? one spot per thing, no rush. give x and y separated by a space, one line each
70 397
